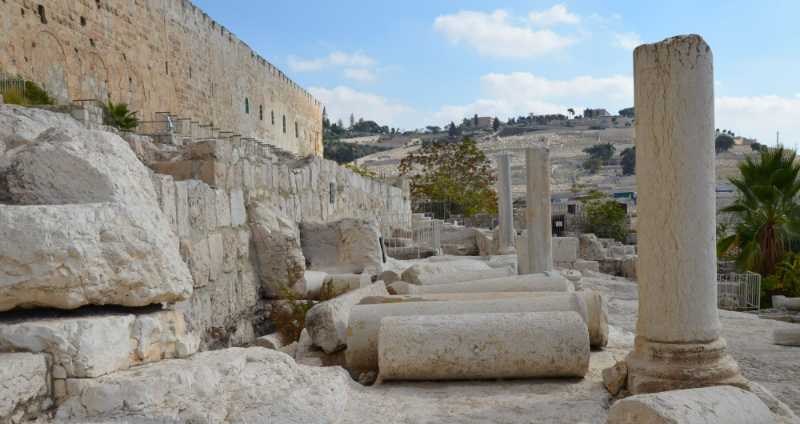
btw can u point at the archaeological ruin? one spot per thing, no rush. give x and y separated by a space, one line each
210 266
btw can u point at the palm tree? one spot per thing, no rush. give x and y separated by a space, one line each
767 215
117 115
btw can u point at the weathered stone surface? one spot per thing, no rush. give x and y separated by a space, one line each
418 273
590 248
539 248
272 341
628 266
565 249
517 283
479 346
231 385
312 284
327 322
711 405
614 378
92 346
279 259
389 276
97 235
24 386
583 265
344 246
787 336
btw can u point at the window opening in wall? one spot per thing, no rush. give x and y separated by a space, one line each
332 188
190 72
166 67
246 105
97 2
42 16
260 112
91 42
272 116
284 124
83 21
296 129
21 10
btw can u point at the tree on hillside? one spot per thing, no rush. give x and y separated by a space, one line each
767 214
605 217
452 130
433 129
723 142
496 124
457 176
475 120
628 112
599 155
571 112
757 147
628 161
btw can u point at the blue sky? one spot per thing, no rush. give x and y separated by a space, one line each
414 63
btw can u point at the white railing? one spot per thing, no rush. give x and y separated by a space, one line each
410 237
739 292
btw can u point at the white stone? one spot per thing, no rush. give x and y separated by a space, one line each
674 100
91 346
565 249
327 321
463 276
97 234
481 346
362 330
518 283
711 405
24 385
590 248
232 385
583 265
787 336
537 213
238 211
279 259
505 207
311 286
344 246
418 273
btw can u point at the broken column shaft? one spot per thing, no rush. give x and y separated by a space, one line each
540 231
505 205
678 343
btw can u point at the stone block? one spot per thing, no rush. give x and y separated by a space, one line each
583 265
196 255
165 190
786 336
719 404
182 209
420 272
238 211
211 172
565 249
483 346
279 257
210 150
223 207
344 246
327 321
590 248
180 170
24 386
628 266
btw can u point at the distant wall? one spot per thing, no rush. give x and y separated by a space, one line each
157 56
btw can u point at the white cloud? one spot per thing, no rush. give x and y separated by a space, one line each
495 34
627 40
335 59
520 93
341 101
360 74
555 15
761 117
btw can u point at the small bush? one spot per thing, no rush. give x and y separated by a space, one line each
785 281
607 219
33 96
118 116
290 319
14 97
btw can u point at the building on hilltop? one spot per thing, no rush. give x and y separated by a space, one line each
158 57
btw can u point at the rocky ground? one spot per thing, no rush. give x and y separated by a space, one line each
260 385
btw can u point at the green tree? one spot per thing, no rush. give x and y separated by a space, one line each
723 142
117 115
757 147
571 112
628 112
496 124
766 213
457 175
628 161
606 218
599 155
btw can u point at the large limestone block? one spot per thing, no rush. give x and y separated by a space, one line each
91 346
232 385
99 236
420 272
24 386
517 283
327 322
710 405
66 256
590 248
565 249
279 257
20 125
787 336
363 328
479 346
463 276
344 246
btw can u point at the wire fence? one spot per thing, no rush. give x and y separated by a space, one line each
739 292
410 237
11 84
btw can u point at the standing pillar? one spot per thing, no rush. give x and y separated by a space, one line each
678 343
537 214
436 235
505 205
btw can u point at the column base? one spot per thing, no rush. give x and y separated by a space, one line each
657 367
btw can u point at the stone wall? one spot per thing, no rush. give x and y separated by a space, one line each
206 189
157 56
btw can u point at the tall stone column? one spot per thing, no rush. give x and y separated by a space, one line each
505 204
537 214
678 343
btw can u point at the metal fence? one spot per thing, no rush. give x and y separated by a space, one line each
10 84
410 237
739 292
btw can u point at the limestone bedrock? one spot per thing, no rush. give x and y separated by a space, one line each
479 346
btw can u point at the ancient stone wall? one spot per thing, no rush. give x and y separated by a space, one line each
157 56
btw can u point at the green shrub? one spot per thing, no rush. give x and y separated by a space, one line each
33 96
290 319
785 281
118 116
606 218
